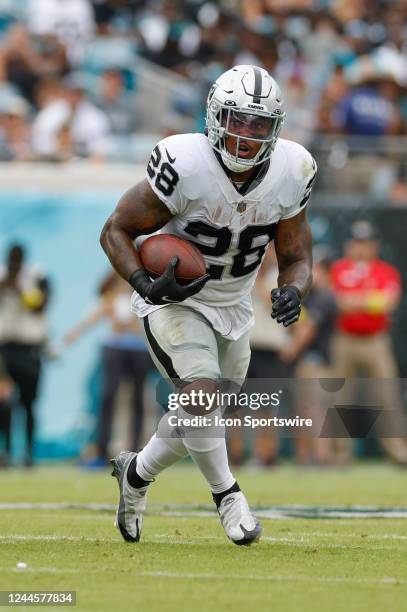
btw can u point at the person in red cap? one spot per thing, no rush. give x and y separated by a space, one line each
367 291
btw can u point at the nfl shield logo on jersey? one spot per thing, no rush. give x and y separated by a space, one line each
241 207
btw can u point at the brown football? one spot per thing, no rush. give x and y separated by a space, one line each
156 252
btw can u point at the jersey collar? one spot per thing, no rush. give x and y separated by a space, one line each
252 182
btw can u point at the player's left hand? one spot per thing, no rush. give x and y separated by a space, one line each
286 305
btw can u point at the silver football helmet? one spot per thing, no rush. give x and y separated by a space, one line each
244 106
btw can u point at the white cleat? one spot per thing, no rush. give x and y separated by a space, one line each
238 522
132 503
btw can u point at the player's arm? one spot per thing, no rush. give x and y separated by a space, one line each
139 212
293 244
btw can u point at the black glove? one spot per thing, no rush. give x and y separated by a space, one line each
165 289
286 305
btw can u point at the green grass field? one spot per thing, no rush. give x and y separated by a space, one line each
185 562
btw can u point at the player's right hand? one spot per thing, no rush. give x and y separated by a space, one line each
165 289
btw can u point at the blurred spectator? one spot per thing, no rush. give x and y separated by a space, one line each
117 104
256 48
6 388
15 131
309 348
25 60
323 43
71 21
48 90
125 357
71 126
169 35
335 91
300 120
398 194
368 291
19 62
53 58
342 67
24 295
265 360
267 340
116 15
370 109
266 347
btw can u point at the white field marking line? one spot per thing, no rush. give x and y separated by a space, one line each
303 536
170 540
184 514
351 522
327 514
364 536
274 515
200 540
44 570
94 516
95 507
309 543
272 578
291 541
15 538
386 581
56 516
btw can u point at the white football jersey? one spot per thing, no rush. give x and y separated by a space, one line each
231 230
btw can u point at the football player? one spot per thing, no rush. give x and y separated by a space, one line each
231 191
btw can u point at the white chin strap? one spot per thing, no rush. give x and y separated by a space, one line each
233 165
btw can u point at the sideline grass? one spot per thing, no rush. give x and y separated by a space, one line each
187 564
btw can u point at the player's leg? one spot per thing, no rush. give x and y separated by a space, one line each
185 347
199 355
167 332
209 452
238 521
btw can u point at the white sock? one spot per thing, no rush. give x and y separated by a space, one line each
212 462
158 454
210 455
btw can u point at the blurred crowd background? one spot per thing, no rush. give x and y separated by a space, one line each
102 79
87 87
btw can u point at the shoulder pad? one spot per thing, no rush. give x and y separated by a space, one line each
182 152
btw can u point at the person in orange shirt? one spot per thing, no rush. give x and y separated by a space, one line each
367 291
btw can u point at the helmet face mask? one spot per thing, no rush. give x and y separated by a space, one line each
244 109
